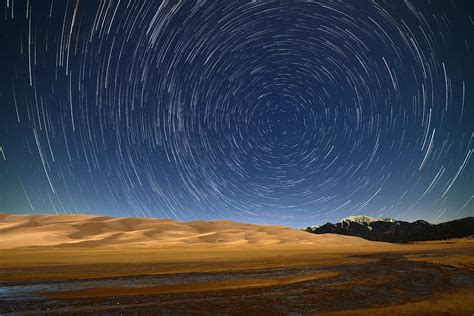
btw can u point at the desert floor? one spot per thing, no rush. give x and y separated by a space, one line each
75 264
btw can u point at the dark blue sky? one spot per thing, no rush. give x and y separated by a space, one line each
294 113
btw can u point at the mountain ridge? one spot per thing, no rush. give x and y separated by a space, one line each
391 230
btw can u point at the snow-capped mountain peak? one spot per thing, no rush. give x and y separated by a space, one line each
366 219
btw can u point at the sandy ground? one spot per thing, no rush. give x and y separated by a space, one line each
38 253
454 303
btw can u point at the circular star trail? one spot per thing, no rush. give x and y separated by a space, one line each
270 112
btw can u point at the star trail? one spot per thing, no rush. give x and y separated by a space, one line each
288 112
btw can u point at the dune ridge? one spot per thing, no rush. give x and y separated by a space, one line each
101 231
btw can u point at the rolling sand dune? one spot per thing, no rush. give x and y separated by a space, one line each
93 231
90 264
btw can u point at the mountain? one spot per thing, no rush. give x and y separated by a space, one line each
391 230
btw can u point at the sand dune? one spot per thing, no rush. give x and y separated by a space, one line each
106 264
97 231
33 246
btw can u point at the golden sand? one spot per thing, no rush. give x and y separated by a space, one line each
47 247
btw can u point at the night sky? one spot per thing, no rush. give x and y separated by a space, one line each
295 113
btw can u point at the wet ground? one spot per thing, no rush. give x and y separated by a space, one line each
388 281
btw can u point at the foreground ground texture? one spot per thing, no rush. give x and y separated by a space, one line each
73 264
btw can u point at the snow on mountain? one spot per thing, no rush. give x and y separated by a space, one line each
366 219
